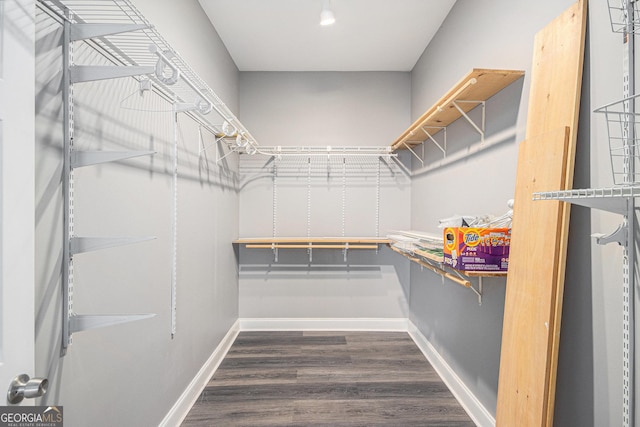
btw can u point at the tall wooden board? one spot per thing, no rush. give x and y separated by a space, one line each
535 281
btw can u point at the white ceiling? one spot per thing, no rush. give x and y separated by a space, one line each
286 35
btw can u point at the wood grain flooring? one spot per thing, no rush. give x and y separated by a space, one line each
326 379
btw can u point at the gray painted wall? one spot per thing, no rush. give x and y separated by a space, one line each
320 109
132 374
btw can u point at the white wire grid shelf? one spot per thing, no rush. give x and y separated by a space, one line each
172 76
613 199
329 151
621 17
614 192
623 129
322 162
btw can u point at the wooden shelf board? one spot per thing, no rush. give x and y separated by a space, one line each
485 273
309 246
442 271
311 241
429 255
478 85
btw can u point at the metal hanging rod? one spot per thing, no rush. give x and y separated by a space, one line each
141 45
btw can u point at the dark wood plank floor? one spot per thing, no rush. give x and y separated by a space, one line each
326 379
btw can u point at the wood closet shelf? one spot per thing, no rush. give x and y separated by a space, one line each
312 242
477 86
436 264
427 259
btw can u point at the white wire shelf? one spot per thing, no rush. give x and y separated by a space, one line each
621 17
610 199
328 151
296 162
145 47
612 192
623 131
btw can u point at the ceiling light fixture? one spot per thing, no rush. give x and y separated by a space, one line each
326 14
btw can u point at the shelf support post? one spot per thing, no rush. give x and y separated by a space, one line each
629 219
67 262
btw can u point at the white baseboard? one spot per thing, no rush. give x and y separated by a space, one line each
184 403
467 399
318 324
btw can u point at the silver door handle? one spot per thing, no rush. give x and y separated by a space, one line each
22 386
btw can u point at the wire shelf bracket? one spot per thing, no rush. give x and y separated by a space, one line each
478 127
92 73
89 158
80 245
619 236
81 322
79 31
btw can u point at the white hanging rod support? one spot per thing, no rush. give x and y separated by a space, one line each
479 129
89 158
79 245
79 323
437 144
90 73
89 31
